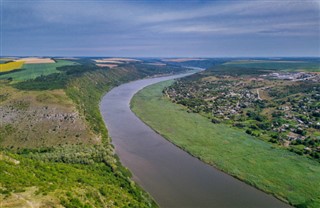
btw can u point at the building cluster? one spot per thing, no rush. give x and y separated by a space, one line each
294 76
287 114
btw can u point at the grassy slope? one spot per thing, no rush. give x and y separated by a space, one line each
285 174
33 119
87 90
74 185
103 181
69 171
31 71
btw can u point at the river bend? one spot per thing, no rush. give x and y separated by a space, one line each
171 176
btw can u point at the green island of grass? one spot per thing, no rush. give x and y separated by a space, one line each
288 176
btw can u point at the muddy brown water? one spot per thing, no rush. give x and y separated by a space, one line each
170 175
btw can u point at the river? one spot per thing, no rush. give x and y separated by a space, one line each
170 175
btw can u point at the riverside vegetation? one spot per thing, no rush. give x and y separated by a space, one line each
55 150
199 115
271 103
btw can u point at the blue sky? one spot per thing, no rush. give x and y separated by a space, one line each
160 28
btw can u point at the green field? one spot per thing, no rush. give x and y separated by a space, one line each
31 71
286 175
283 65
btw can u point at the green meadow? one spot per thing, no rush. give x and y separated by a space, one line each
284 174
282 65
31 71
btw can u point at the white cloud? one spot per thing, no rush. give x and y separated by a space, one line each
142 27
212 17
227 9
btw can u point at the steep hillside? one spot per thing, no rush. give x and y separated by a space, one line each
55 149
32 119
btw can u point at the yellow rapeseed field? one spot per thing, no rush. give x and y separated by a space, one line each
6 67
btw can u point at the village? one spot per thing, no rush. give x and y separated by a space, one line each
282 108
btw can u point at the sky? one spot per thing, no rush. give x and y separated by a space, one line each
236 28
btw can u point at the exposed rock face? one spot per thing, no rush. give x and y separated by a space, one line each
27 121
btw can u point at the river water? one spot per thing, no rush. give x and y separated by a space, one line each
171 176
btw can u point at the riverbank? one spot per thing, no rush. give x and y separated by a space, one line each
54 146
285 175
172 176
